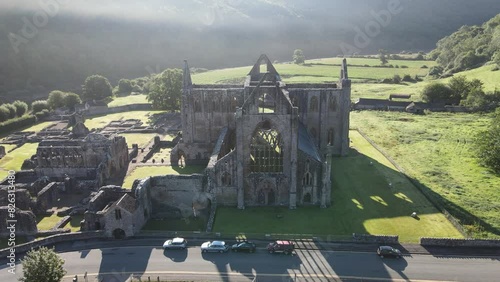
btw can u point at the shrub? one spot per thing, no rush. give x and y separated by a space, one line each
71 99
97 87
38 106
42 114
21 108
396 79
15 124
124 86
407 78
424 67
4 113
404 67
56 99
12 110
436 92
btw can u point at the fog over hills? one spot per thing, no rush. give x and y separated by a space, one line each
124 38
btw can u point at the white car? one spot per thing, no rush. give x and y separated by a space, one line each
214 247
176 243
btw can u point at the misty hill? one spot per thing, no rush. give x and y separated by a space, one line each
131 39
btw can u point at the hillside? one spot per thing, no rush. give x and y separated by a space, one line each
126 39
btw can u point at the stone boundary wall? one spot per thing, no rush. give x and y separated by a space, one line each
450 242
423 190
383 239
52 240
61 223
211 217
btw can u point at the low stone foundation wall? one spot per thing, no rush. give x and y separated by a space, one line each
61 223
382 239
52 240
449 242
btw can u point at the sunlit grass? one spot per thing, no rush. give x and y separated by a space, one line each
128 100
141 139
38 127
102 121
14 160
438 150
48 222
368 196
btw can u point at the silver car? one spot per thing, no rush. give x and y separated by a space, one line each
214 247
176 243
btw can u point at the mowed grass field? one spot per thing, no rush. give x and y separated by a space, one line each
321 70
369 196
14 160
141 139
128 100
438 150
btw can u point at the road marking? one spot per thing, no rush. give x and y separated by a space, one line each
297 275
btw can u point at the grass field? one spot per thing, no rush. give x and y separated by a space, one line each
146 171
438 150
48 222
141 139
14 160
38 127
321 70
363 201
101 121
128 100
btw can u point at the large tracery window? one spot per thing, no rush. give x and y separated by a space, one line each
266 151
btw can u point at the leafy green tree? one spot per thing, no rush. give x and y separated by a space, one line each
12 110
42 265
21 107
298 56
125 86
56 99
165 90
383 55
488 144
97 87
38 106
476 100
71 99
436 92
496 58
4 113
461 87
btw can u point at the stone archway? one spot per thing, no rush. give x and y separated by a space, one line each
119 233
266 193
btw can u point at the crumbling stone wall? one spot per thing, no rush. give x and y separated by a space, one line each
47 197
23 198
25 225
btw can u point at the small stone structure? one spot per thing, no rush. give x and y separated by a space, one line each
25 225
2 152
115 211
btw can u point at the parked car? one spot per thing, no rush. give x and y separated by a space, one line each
176 243
388 251
281 246
214 246
244 246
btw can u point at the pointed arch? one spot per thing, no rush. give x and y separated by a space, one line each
266 149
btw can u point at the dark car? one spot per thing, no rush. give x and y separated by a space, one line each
281 246
388 251
244 247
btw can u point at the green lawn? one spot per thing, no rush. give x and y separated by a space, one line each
363 201
141 139
38 127
101 121
438 150
146 171
48 222
320 70
14 160
181 224
128 100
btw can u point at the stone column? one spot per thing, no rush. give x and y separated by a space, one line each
293 158
240 158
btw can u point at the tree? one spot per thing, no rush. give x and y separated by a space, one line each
4 113
38 106
488 144
56 99
476 100
42 265
298 56
382 55
462 87
166 89
396 79
71 99
12 110
125 86
97 87
436 92
21 107
496 58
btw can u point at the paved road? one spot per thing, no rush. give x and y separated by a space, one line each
116 265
